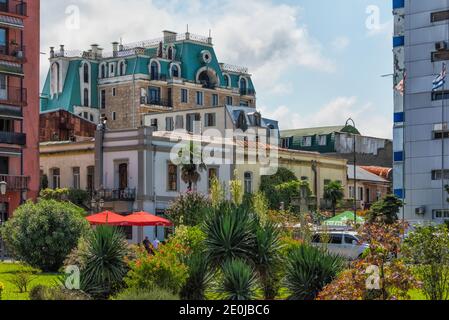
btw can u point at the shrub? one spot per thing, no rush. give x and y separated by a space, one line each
238 282
189 209
199 277
230 233
309 270
2 287
153 294
45 293
43 234
191 238
164 269
385 211
22 278
269 183
104 261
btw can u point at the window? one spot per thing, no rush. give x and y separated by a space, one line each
212 174
76 178
229 101
439 16
114 92
244 103
351 192
122 67
440 95
169 124
111 69
322 140
440 174
91 117
193 120
248 182
154 71
103 99
90 178
441 214
172 177
439 135
215 100
360 194
227 81
3 39
184 96
243 86
6 125
441 55
306 142
153 123
199 98
336 238
103 71
210 120
114 116
86 97
175 71
56 178
179 122
154 94
86 73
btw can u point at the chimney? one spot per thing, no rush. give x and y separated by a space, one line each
94 49
62 50
114 48
169 36
100 52
52 52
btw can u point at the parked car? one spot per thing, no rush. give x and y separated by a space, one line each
344 243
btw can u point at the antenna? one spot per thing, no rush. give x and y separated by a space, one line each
187 28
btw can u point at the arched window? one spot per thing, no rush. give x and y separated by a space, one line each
56 82
243 86
175 71
170 53
86 97
122 70
103 71
248 182
154 70
86 73
227 81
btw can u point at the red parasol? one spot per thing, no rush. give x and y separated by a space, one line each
106 217
145 219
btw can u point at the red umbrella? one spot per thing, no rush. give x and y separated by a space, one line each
145 219
106 217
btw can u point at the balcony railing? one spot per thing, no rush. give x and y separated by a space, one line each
13 138
14 6
13 95
156 102
158 76
247 92
117 194
15 183
14 51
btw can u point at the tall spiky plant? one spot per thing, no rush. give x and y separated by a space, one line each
239 281
104 261
198 279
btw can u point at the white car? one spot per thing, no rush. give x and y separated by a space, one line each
342 243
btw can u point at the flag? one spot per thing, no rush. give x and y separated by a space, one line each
440 80
401 85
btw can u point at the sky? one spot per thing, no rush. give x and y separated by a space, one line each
313 63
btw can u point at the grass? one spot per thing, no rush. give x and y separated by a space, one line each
10 292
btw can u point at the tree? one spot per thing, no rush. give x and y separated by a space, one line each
190 170
269 183
334 193
43 234
188 209
428 249
385 210
44 182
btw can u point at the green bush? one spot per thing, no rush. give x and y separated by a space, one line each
189 209
239 281
190 237
153 294
45 293
309 270
199 277
43 234
269 186
22 278
104 265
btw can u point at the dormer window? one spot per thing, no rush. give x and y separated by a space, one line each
227 81
103 71
154 70
86 73
122 68
175 71
170 53
243 86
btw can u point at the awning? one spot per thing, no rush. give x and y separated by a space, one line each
106 218
342 219
145 219
11 22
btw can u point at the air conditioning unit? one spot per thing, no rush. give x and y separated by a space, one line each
442 45
440 127
420 211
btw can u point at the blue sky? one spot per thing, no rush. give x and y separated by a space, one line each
314 63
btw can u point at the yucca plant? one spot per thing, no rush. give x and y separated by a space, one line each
239 281
198 279
104 261
230 234
309 270
267 258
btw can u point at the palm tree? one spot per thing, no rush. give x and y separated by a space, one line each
334 193
190 171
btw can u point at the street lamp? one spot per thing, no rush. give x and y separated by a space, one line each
3 188
97 203
350 120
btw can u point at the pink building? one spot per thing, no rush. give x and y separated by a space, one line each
19 103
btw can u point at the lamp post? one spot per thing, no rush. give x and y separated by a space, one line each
355 165
97 203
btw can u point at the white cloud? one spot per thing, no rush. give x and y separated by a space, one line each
336 112
340 43
262 35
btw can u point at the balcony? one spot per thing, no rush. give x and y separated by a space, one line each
15 183
13 52
13 96
16 7
117 194
247 92
154 76
19 139
150 101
